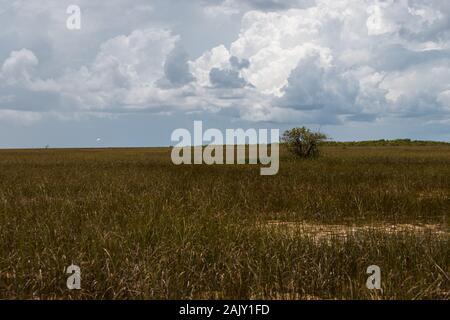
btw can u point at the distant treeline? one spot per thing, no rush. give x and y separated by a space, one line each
383 142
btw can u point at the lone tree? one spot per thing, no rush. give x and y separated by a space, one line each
303 142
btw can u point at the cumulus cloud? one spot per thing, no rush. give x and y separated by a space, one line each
323 61
315 85
225 78
18 67
176 69
123 73
239 64
230 77
356 61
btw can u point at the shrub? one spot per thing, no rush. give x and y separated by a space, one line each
303 142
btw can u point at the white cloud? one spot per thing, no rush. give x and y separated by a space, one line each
18 67
370 60
217 57
123 73
319 62
226 8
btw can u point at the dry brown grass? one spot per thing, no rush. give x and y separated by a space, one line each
140 227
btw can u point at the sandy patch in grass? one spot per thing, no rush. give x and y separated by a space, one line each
330 232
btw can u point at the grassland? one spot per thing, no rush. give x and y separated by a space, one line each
142 228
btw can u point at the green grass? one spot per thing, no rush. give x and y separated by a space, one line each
141 228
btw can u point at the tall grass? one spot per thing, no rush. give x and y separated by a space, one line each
141 228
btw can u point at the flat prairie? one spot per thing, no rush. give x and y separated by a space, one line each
140 227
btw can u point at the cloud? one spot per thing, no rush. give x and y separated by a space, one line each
176 69
18 67
314 84
230 7
317 61
230 77
21 118
357 61
419 91
221 8
226 78
410 19
270 5
123 73
217 57
238 64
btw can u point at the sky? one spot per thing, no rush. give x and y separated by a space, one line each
137 70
